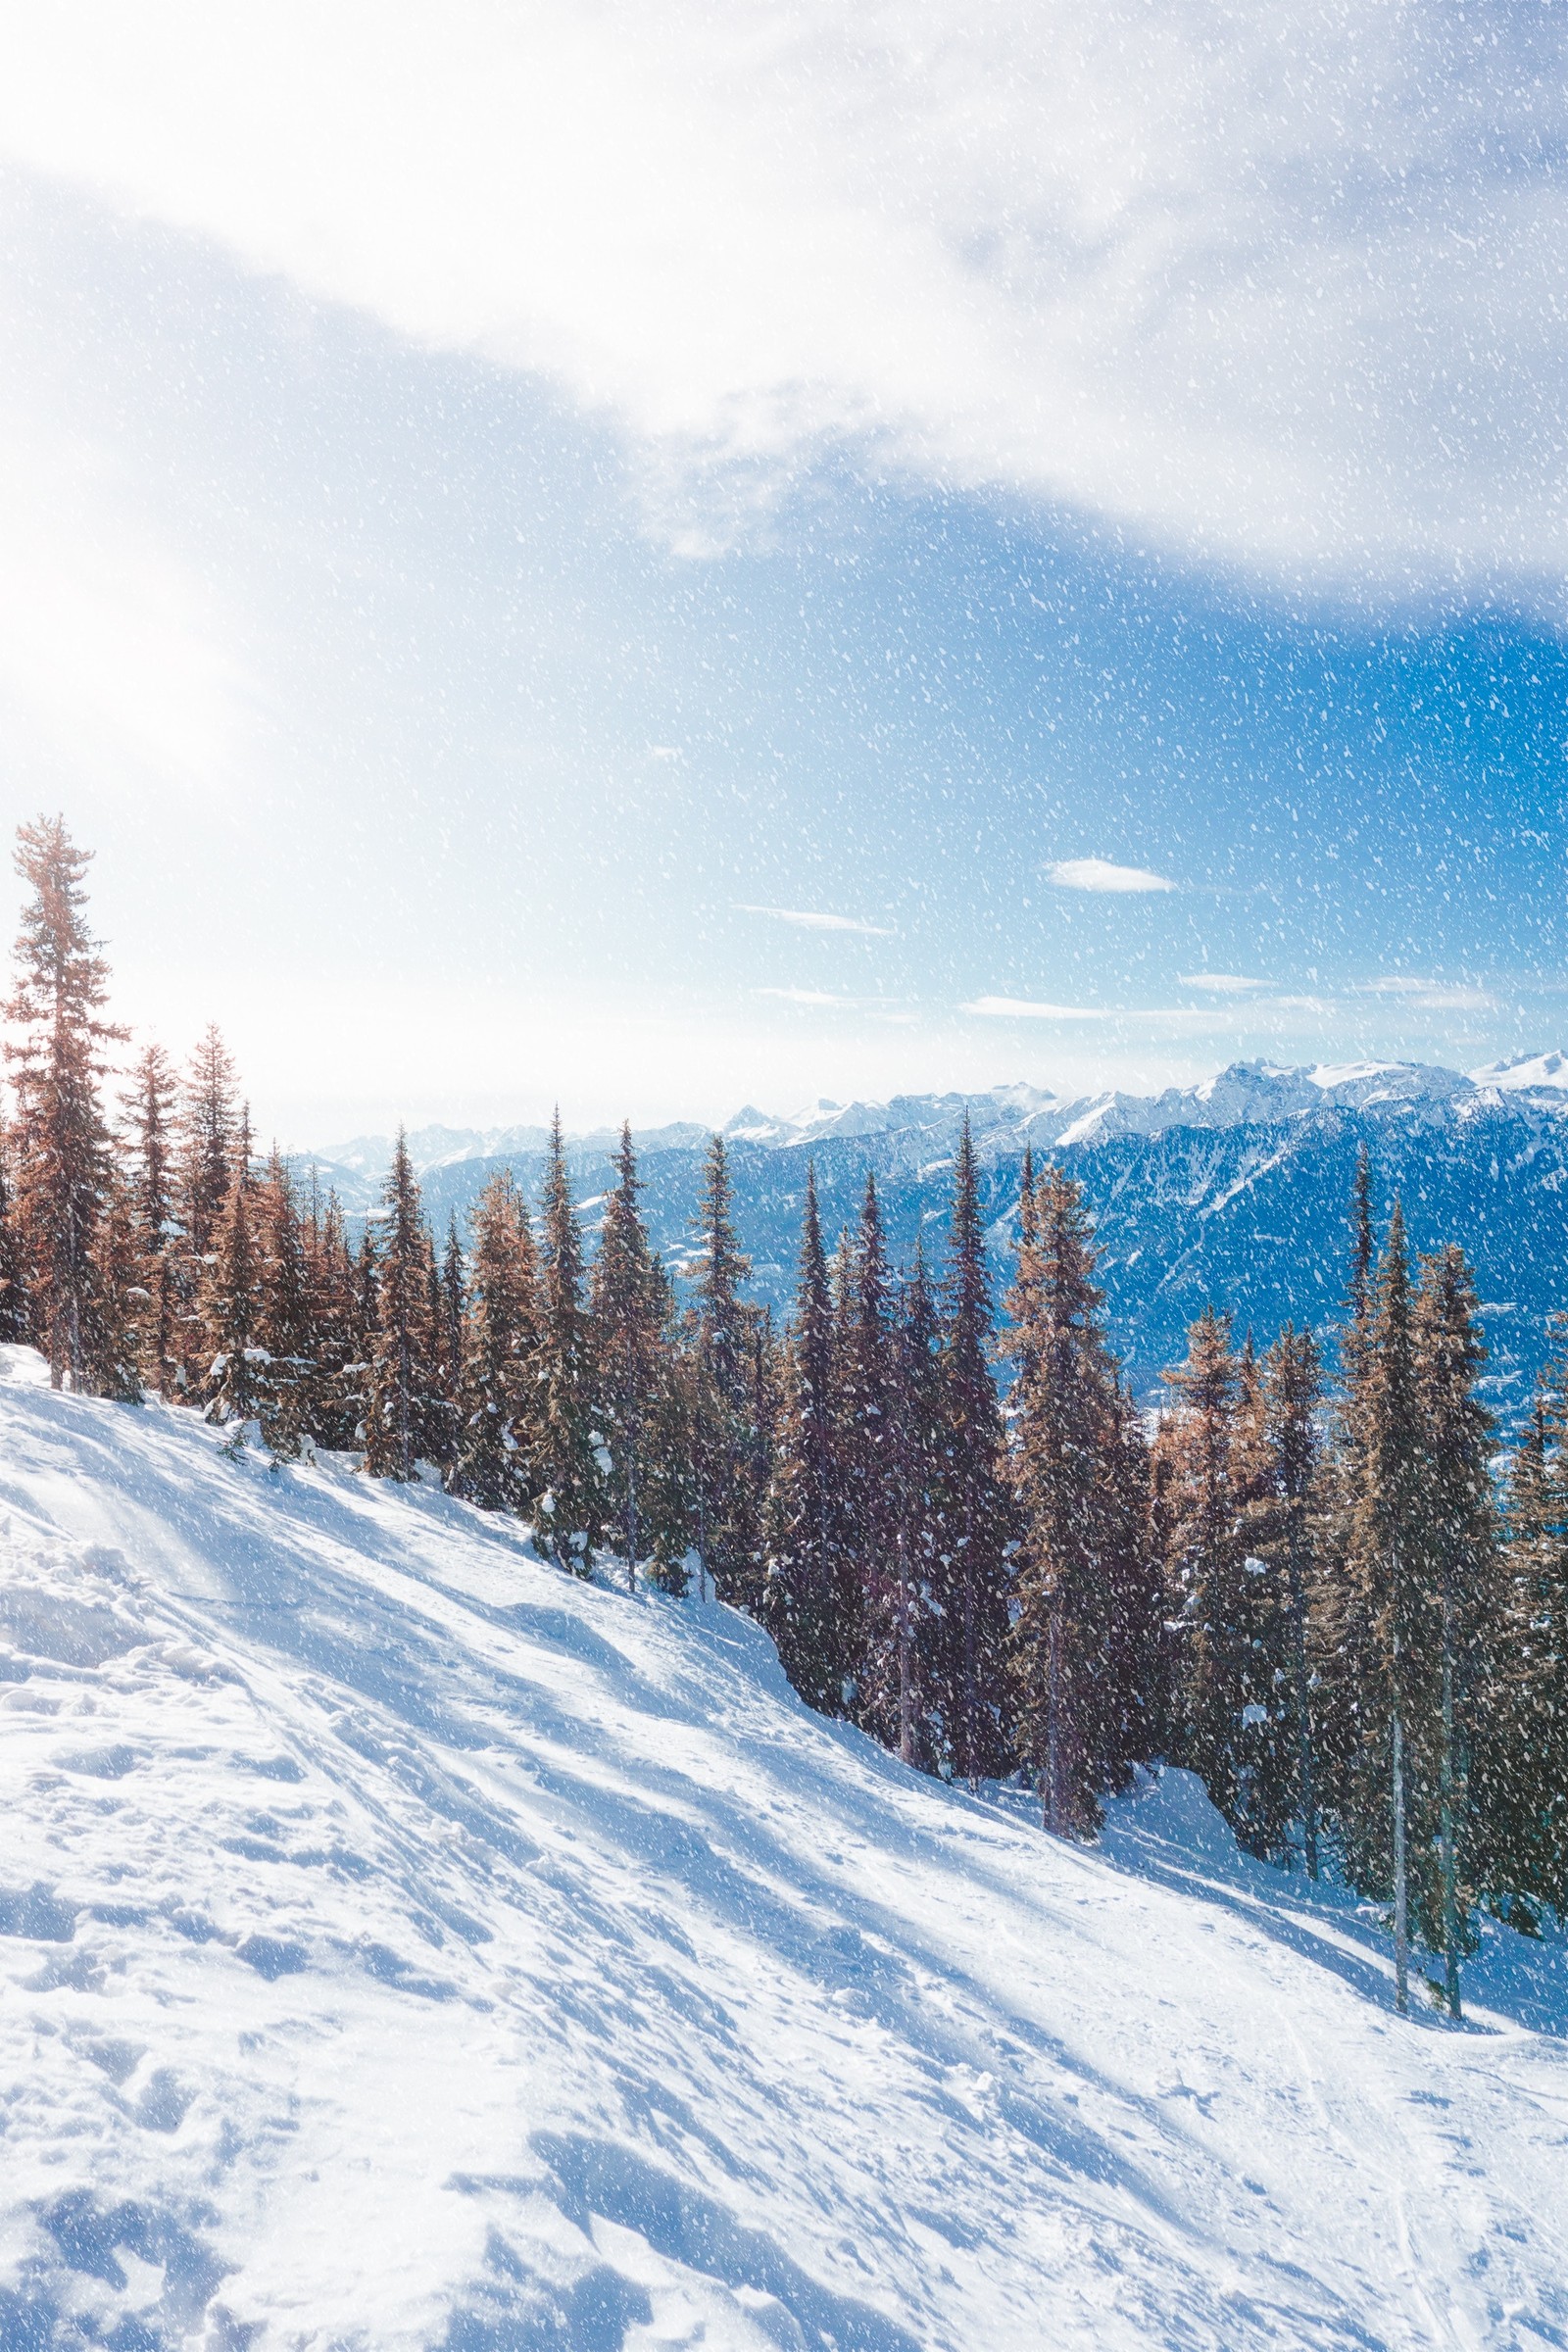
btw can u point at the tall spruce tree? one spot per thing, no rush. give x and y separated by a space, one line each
1383 1634
208 1139
1460 1592
729 1465
230 1311
1521 1761
398 1388
149 1109
495 1455
1211 1605
966 1677
810 1600
1078 1583
1283 1533
572 1455
284 1330
637 1405
62 1167
868 1470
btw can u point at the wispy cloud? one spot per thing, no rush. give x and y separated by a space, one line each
1221 984
1100 874
811 996
1427 995
1024 1008
812 919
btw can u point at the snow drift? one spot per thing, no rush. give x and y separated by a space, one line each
402 1945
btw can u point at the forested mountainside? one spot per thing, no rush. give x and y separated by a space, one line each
1234 1193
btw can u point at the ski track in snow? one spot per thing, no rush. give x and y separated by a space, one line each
403 1945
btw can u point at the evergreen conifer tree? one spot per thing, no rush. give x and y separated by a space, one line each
1080 1585
1458 1588
208 1129
1383 1633
638 1409
1205 1564
62 1168
285 1330
399 1383
495 1466
867 1469
967 1678
729 1475
1521 1761
809 1602
569 1470
230 1312
149 1107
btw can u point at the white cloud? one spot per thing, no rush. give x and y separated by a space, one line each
1220 984
806 920
812 995
1429 996
1277 287
1099 874
1022 1008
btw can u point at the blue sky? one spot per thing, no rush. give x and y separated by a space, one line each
667 558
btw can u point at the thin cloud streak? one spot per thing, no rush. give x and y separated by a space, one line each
810 920
1099 875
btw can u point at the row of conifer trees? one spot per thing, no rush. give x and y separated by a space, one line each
1326 1603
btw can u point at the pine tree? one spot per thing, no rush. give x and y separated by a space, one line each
966 1678
150 1110
869 1470
500 1354
62 1160
1520 1771
1382 1633
1283 1532
284 1332
1447 1667
121 1299
332 1385
1206 1566
569 1522
728 1468
1076 1586
207 1162
809 1602
632 1310
399 1383
925 1544
229 1308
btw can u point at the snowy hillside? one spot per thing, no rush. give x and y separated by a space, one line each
402 1945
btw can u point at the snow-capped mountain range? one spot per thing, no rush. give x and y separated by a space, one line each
1245 1093
1232 1191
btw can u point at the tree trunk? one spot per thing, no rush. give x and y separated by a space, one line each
1053 1721
1304 1723
1450 1894
906 1661
1401 1888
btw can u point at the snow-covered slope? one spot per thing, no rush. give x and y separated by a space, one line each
404 1946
